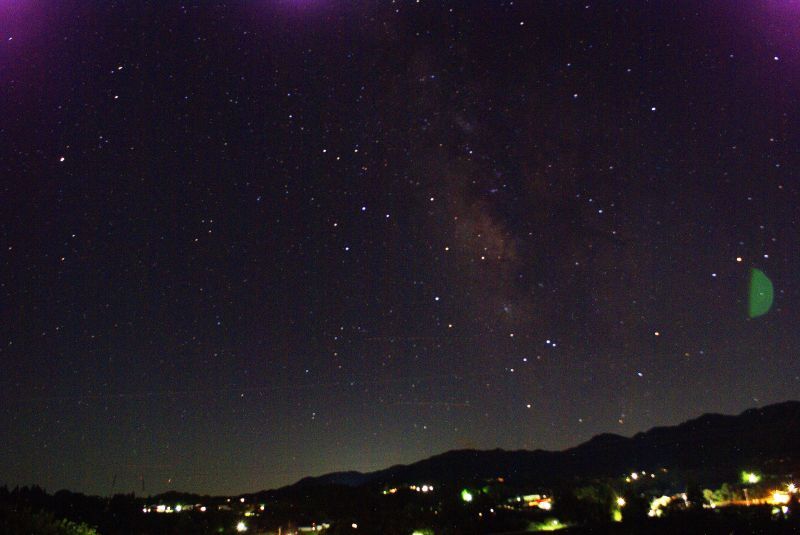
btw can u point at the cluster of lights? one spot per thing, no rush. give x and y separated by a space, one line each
415 488
657 506
782 498
536 500
179 508
168 509
318 527
635 476
252 512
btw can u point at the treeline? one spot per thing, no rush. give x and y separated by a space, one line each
32 510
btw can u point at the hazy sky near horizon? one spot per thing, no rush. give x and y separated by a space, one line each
246 242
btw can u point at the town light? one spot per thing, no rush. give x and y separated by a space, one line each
241 527
466 495
791 488
621 501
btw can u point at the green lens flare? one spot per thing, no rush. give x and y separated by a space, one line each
761 293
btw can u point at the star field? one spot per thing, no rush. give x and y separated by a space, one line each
246 242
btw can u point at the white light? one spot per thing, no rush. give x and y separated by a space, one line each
779 497
203 509
241 527
634 475
178 508
354 525
545 506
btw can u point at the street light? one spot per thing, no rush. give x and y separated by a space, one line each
750 478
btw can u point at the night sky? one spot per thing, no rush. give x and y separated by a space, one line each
246 242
